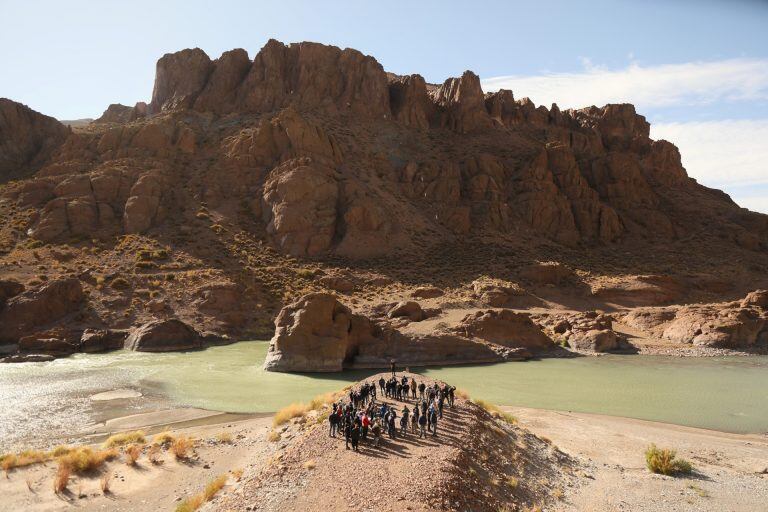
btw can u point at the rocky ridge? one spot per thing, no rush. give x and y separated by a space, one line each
244 184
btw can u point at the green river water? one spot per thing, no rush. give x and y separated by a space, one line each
726 393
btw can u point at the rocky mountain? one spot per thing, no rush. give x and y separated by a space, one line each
244 184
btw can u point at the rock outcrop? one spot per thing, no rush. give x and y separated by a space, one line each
725 325
507 328
588 331
317 333
163 336
32 310
27 139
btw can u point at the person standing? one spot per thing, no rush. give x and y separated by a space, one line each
392 366
333 419
413 388
365 423
422 424
433 420
347 430
355 435
422 387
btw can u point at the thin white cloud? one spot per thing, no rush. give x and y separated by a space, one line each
722 154
693 83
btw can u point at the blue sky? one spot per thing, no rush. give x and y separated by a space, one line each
697 69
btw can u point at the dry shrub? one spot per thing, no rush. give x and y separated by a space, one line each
153 454
105 482
461 393
124 438
163 439
61 480
84 459
10 461
224 437
61 450
237 474
132 453
181 447
195 502
664 461
273 436
295 410
513 482
321 401
496 412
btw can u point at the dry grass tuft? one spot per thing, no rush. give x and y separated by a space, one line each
310 464
105 482
11 461
181 447
273 436
237 474
84 459
125 438
295 410
224 437
132 453
61 480
664 461
163 439
496 412
195 502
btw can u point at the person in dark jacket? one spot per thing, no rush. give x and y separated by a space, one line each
392 366
422 424
333 419
433 420
355 434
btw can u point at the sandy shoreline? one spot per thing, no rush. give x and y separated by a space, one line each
729 467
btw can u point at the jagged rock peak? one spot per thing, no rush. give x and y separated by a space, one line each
306 75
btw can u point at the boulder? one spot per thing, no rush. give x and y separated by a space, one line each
317 333
427 292
33 309
408 309
337 283
9 289
163 336
547 273
56 342
642 290
496 292
757 298
594 340
102 340
507 328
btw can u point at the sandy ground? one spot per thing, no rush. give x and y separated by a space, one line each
729 468
147 487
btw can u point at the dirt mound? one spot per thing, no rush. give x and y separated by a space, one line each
477 462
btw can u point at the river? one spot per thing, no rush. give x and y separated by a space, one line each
725 393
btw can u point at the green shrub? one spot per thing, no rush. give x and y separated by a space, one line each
664 461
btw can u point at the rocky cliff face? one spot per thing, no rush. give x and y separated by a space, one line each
256 174
27 139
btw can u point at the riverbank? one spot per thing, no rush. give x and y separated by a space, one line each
730 469
611 475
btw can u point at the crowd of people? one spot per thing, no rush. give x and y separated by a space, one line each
363 416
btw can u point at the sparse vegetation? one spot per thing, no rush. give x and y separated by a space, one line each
163 439
153 454
181 446
273 436
237 474
125 438
11 461
84 459
105 482
495 411
119 283
664 461
295 410
224 437
195 502
61 480
132 453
